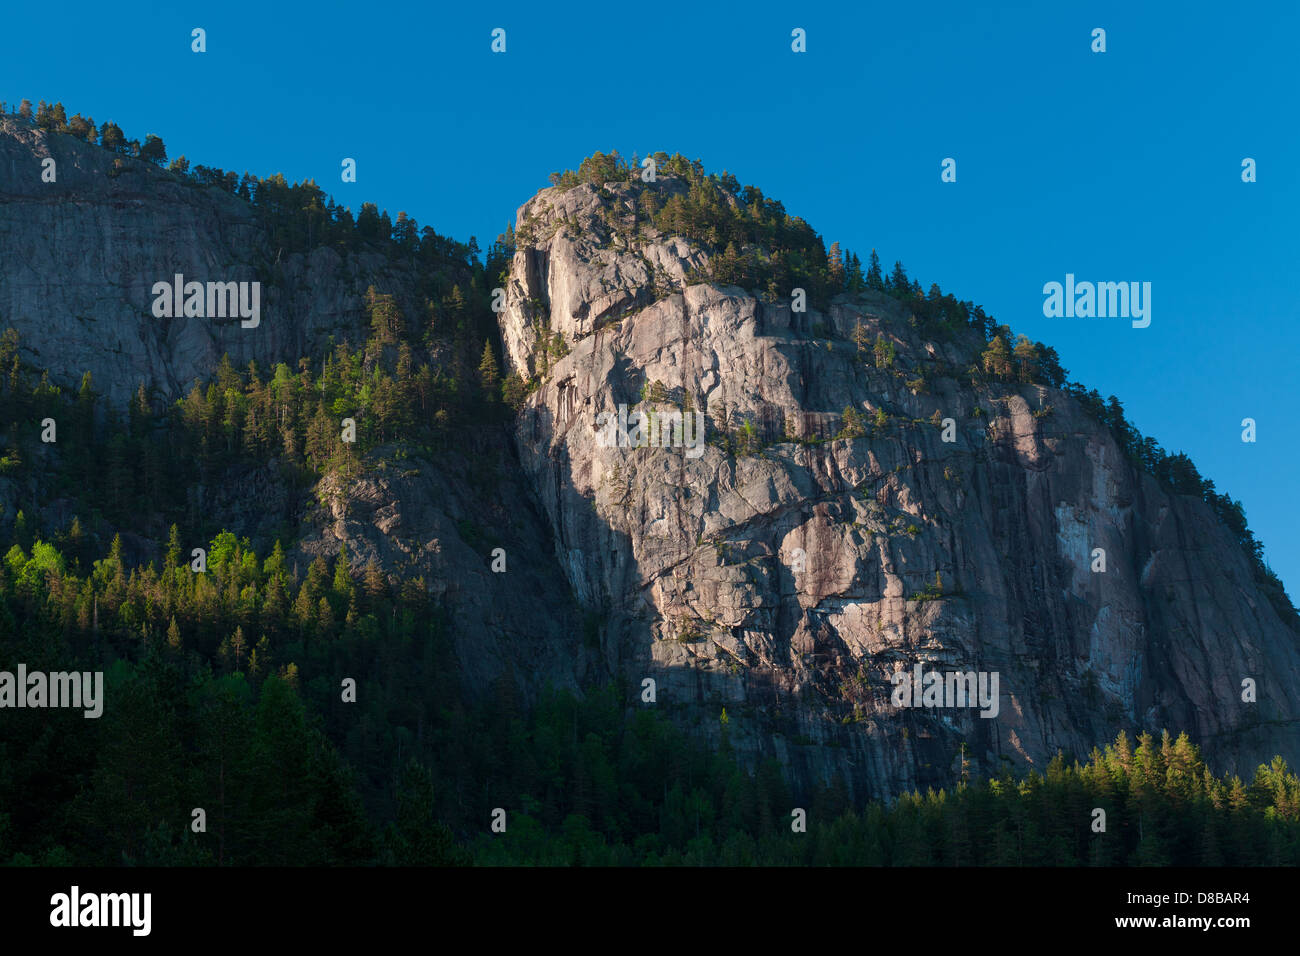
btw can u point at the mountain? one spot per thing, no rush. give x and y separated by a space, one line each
972 554
886 479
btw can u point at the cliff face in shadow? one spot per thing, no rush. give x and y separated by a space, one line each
787 574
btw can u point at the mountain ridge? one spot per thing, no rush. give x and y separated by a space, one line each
784 469
765 373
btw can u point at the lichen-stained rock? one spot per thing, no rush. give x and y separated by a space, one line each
789 581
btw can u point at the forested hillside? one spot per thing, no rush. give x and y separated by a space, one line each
165 542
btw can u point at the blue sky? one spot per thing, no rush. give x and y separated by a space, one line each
1117 166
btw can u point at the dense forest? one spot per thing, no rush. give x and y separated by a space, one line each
227 682
225 696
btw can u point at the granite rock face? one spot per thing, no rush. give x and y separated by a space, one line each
786 569
440 524
789 581
82 254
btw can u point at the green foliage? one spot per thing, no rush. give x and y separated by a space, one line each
884 351
298 217
676 803
226 682
153 150
932 591
488 376
853 424
598 780
135 466
654 392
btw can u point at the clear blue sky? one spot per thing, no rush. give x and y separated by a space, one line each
1117 166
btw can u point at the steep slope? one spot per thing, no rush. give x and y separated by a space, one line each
786 574
81 255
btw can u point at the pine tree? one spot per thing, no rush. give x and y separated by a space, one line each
488 376
884 352
237 646
375 586
75 538
386 321
513 390
875 278
861 337
852 423
1026 356
80 127
835 266
153 150
898 283
111 138
996 359
455 305
855 279
343 585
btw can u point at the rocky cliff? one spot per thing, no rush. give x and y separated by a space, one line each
786 570
80 257
787 574
83 252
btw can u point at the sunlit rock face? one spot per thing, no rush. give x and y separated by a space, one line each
787 575
791 569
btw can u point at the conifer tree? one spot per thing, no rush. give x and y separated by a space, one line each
884 352
996 359
343 585
111 138
153 150
1026 359
488 376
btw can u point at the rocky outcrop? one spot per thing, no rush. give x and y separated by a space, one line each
80 257
82 253
786 570
789 582
606 272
